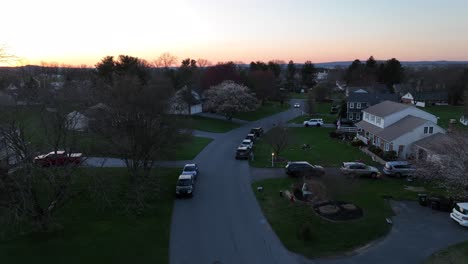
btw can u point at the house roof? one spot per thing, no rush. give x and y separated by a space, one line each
386 108
372 98
433 142
396 130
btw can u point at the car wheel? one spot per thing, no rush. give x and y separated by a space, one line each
306 125
373 175
318 125
398 175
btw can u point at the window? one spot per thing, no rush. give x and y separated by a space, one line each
358 116
363 105
387 147
350 116
425 130
351 105
378 120
372 118
378 141
358 105
366 116
431 130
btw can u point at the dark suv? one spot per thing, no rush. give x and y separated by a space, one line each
243 153
303 168
258 131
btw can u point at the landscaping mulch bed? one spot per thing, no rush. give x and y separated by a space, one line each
338 210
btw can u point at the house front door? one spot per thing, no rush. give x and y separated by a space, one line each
400 149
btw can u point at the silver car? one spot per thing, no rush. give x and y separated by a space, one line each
398 168
359 169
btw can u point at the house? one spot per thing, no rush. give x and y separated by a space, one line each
425 98
179 105
77 121
361 98
395 127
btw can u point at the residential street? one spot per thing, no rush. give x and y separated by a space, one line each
223 222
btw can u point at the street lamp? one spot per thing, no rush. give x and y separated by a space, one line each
272 158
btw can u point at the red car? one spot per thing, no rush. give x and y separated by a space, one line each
58 158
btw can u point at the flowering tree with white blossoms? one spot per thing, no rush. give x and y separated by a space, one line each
229 98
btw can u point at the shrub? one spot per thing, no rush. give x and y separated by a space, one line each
390 155
305 232
357 143
334 134
298 194
376 150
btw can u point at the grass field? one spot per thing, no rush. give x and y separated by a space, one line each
456 254
268 109
324 150
211 124
322 110
445 113
298 95
189 150
331 238
91 235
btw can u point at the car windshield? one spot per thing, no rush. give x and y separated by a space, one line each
184 182
189 168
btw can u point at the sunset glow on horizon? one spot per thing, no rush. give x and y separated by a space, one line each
82 32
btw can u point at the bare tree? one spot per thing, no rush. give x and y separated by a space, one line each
33 194
165 60
204 63
5 56
140 131
279 138
447 163
311 102
230 98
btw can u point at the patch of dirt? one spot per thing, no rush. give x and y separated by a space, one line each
415 189
338 211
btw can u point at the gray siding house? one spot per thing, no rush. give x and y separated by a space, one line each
362 98
395 127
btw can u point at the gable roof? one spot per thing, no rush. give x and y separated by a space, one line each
372 98
386 108
433 142
396 130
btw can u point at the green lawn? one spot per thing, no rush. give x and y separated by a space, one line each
189 150
212 124
294 95
322 110
445 113
456 254
331 238
270 108
324 150
102 236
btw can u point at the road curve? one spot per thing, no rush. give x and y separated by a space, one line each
223 222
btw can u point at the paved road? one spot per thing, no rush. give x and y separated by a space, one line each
223 223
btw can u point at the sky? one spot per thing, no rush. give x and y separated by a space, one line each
83 32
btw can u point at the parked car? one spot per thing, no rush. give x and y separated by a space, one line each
398 168
185 185
359 169
251 137
243 153
258 131
58 158
303 168
460 213
313 122
247 143
191 169
297 105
